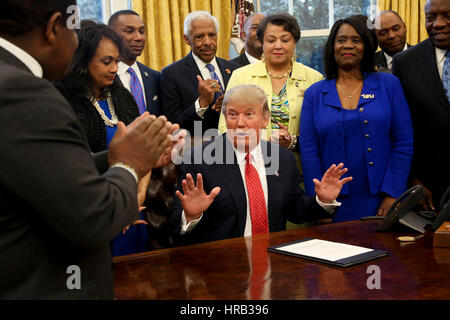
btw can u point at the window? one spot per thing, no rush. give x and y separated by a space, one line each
101 10
316 17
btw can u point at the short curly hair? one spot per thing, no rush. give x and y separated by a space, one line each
286 20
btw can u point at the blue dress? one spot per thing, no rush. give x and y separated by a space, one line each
134 240
359 202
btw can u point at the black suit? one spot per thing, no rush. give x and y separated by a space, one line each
151 80
226 216
55 208
380 58
430 112
241 60
179 91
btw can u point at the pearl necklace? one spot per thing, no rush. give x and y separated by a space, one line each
284 75
109 122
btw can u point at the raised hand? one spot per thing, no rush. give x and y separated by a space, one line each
194 200
206 89
331 184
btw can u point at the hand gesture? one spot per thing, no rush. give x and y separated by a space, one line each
328 189
194 200
281 136
206 89
218 104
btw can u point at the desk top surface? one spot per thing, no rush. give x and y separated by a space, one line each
241 268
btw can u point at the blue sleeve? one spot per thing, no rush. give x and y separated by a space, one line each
309 143
399 162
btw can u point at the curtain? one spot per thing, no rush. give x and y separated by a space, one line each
164 28
412 12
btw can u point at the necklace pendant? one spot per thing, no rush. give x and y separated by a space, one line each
350 97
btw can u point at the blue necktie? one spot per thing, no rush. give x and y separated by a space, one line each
214 76
136 90
446 74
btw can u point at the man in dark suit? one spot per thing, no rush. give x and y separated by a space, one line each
57 213
191 87
423 71
129 25
391 34
252 46
245 186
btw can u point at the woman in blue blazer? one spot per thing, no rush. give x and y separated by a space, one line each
361 118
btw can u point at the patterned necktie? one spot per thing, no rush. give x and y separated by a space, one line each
446 74
258 211
214 76
136 90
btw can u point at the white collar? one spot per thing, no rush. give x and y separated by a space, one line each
251 58
440 54
202 64
123 67
23 56
256 154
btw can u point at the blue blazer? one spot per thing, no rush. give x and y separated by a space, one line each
151 78
226 216
386 126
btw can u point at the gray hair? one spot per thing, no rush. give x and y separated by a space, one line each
195 15
246 94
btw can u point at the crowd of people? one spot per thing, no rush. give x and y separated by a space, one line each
84 123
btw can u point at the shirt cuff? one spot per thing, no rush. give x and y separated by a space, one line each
186 227
126 167
200 111
328 207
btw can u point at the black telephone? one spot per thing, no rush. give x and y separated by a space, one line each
400 212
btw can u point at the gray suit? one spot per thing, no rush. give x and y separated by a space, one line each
56 210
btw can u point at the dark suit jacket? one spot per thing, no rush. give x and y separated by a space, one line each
241 60
94 127
151 80
226 216
380 58
179 91
55 208
430 112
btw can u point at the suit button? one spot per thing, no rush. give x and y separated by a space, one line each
361 109
369 149
367 136
365 122
370 163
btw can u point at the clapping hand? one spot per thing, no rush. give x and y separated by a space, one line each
194 200
331 184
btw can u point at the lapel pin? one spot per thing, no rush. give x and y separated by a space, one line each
155 98
227 71
276 173
296 84
146 74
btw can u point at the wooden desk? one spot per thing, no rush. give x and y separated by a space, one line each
221 269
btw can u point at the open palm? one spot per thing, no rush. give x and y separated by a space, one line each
194 200
330 186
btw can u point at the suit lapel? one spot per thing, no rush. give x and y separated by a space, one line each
192 69
232 180
427 64
225 70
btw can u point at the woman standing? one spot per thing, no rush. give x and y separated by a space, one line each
282 78
361 118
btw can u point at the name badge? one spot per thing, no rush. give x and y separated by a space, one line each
368 96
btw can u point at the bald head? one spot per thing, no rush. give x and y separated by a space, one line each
391 32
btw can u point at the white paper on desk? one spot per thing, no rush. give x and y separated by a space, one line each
326 250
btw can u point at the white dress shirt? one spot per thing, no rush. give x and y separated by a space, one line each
390 58
206 74
440 59
251 59
23 56
258 163
125 76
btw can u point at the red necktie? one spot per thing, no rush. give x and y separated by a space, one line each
258 211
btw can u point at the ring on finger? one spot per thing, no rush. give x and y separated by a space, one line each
214 85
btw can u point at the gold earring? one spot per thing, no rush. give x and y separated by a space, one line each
263 57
